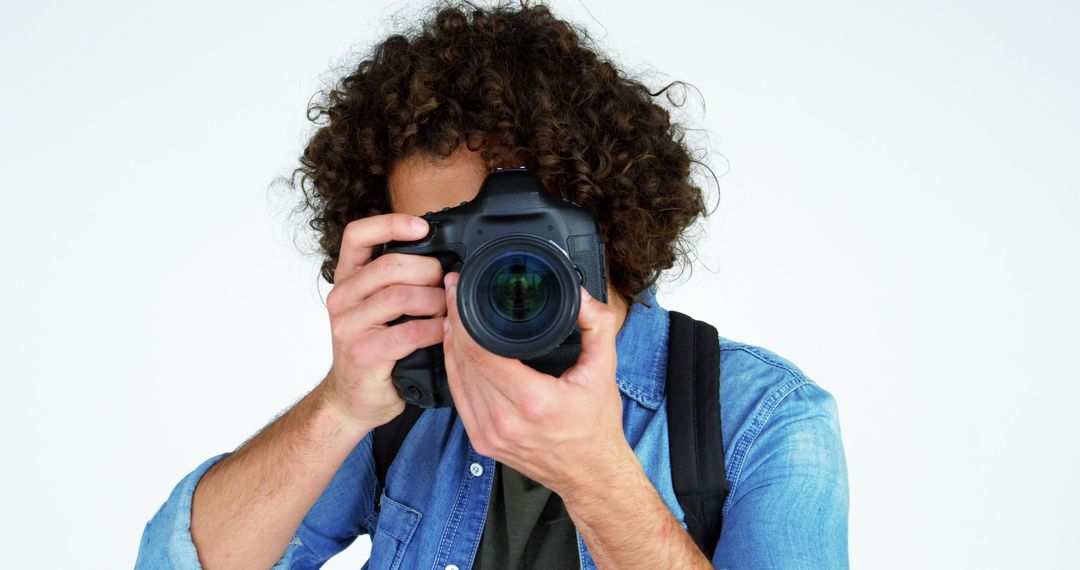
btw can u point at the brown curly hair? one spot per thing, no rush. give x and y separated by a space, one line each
523 88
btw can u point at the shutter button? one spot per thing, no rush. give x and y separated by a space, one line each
476 469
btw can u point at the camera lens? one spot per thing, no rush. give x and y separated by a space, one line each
520 286
518 296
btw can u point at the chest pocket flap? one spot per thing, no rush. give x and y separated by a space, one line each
394 528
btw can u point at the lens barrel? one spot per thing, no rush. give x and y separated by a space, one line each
518 296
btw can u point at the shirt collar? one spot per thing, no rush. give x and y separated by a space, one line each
641 346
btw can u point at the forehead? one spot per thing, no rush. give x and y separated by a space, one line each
419 182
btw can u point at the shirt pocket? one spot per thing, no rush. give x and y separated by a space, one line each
393 530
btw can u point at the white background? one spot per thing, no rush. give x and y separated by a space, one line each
897 216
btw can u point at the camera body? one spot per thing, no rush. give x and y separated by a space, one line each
522 254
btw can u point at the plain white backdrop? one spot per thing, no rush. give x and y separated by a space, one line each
898 215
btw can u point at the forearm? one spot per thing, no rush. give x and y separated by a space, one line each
247 507
626 524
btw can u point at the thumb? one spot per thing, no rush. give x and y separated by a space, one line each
597 323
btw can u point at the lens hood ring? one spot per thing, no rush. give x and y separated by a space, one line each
475 305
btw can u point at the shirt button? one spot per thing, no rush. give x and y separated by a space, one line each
453 566
477 470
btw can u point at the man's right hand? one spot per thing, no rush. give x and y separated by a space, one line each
368 294
247 507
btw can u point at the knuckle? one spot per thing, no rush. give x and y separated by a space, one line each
404 334
334 299
500 423
504 426
353 231
395 295
390 337
409 332
349 233
536 408
388 263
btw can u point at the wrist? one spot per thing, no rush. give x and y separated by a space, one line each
620 507
612 471
329 406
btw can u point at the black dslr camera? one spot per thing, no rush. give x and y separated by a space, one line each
522 254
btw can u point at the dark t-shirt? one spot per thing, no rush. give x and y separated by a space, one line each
527 526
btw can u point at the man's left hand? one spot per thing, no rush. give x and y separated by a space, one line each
564 433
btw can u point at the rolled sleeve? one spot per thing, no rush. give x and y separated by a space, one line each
342 513
788 506
166 540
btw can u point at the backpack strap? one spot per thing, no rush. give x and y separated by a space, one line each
693 412
386 440
695 443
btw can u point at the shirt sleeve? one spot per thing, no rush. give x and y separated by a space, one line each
341 513
788 503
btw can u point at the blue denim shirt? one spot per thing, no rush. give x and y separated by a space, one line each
787 508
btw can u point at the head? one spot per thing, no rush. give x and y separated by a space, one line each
421 120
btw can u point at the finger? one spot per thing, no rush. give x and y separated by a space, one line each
516 381
361 236
467 404
394 343
380 273
597 323
398 300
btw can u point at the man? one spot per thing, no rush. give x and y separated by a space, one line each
526 470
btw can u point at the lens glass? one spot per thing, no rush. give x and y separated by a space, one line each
518 289
522 292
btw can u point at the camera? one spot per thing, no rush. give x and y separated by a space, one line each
522 254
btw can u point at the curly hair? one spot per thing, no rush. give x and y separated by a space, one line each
520 87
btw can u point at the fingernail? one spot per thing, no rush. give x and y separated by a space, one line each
585 296
419 225
446 325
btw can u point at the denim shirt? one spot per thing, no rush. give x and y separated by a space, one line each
787 507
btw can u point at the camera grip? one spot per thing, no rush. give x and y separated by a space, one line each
420 377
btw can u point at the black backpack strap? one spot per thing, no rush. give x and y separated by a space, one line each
693 410
387 438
